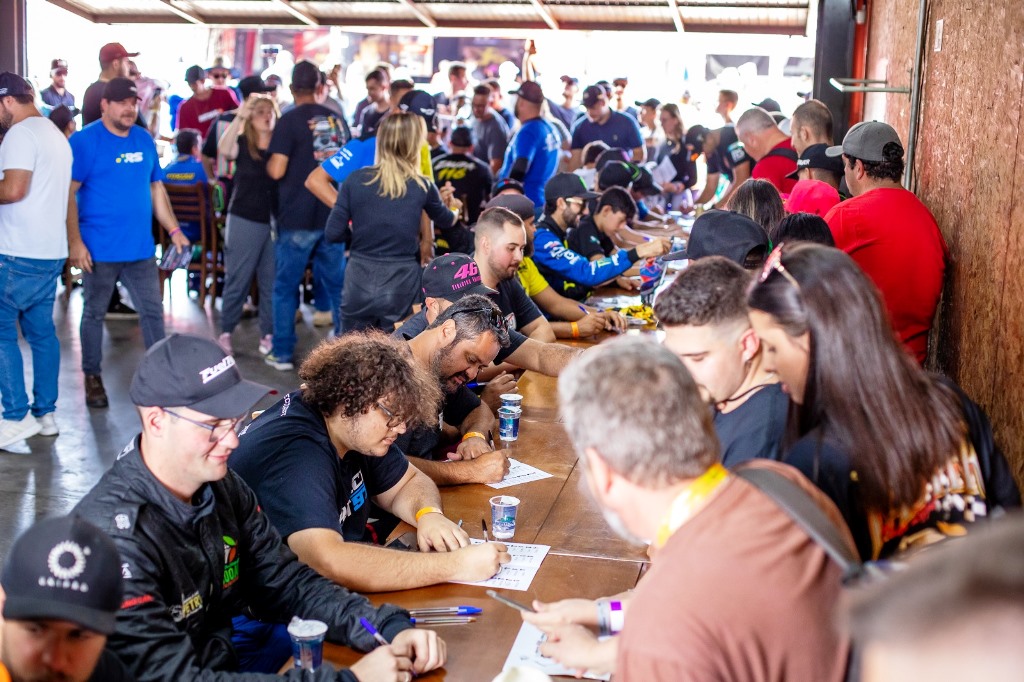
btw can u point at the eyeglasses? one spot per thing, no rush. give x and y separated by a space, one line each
394 421
134 74
774 262
218 76
494 316
217 431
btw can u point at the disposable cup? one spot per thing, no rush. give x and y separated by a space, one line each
508 423
503 516
511 400
307 643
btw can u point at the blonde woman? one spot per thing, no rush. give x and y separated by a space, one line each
248 249
674 149
378 215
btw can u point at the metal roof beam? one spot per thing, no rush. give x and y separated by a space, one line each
420 13
304 17
545 14
184 14
677 18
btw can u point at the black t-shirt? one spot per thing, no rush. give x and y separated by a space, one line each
254 195
755 428
588 241
91 109
308 135
370 120
471 178
218 128
437 151
518 308
682 161
415 325
109 668
287 458
728 154
423 441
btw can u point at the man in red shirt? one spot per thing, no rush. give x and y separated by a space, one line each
888 231
205 105
770 148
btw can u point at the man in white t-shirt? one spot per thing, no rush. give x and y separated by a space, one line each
35 162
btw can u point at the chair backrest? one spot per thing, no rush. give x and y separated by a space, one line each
190 203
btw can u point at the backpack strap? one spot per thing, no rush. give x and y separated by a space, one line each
784 153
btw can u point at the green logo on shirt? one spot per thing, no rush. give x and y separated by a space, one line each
230 562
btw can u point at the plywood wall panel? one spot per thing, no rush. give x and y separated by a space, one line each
890 57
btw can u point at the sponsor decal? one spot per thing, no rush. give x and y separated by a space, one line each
230 562
190 605
136 601
211 373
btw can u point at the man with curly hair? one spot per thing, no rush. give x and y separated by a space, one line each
319 456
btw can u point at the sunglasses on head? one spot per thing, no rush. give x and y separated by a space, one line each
774 262
494 316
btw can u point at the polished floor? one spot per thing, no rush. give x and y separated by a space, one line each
43 476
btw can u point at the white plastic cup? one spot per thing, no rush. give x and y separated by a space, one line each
307 642
504 509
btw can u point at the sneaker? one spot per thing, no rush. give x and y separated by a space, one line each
225 342
322 318
12 431
266 344
121 311
298 316
95 395
282 365
47 425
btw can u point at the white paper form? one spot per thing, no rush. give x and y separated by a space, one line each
518 573
519 473
526 652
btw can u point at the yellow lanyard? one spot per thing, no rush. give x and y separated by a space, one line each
686 502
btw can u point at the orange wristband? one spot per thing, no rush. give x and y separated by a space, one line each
575 330
427 510
473 434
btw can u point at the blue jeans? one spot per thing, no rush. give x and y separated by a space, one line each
27 288
141 280
260 647
292 249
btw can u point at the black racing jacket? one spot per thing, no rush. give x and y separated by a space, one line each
188 568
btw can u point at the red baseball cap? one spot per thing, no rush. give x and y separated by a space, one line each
112 51
812 196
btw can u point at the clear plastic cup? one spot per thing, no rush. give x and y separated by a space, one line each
508 423
503 516
511 400
307 642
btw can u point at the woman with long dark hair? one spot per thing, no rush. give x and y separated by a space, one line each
905 456
378 214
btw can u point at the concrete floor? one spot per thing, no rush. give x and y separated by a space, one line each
44 477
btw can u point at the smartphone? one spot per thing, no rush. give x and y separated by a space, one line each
509 602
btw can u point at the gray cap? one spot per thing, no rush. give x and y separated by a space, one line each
865 141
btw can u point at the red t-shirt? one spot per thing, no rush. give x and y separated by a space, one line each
893 237
774 169
201 114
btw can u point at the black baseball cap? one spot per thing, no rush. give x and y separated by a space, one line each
63 115
251 85
64 568
695 137
570 79
591 93
462 137
722 233
651 102
184 370
508 183
628 176
120 89
423 105
453 276
567 186
13 85
58 65
815 157
517 203
769 105
194 73
305 76
613 154
530 91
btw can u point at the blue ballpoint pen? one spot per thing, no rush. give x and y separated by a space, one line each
445 610
368 626
584 309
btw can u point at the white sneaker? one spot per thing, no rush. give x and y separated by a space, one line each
266 344
323 318
47 425
14 431
224 340
281 365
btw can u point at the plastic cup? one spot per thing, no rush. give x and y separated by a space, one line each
511 400
503 516
508 423
307 643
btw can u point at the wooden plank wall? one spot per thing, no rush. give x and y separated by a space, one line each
970 173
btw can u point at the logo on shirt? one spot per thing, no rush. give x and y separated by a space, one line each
356 500
130 157
230 562
190 606
328 136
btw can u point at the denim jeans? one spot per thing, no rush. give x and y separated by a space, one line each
141 280
292 249
27 289
260 647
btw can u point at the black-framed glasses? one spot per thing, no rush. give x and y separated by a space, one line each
218 76
217 431
774 262
494 316
394 421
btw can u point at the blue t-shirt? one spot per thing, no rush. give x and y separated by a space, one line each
186 171
115 208
619 130
537 142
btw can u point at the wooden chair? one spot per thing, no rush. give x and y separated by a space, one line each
191 203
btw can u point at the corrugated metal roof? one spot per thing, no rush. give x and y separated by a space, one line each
751 16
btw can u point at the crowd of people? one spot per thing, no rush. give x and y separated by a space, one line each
452 240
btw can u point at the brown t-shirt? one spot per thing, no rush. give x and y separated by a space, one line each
738 593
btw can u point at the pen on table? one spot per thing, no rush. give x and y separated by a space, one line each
483 524
584 309
368 626
449 620
450 610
